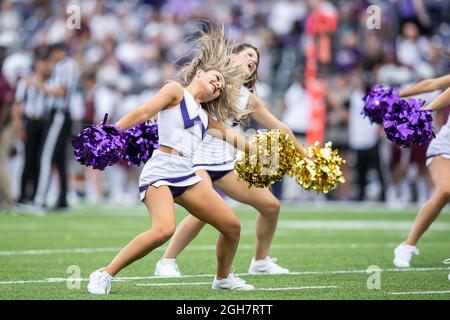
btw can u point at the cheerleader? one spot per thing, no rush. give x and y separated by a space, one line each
438 161
213 161
207 88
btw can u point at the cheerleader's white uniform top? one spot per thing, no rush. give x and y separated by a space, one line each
214 154
440 146
182 128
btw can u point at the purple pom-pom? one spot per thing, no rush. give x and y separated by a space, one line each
99 146
405 124
377 100
141 140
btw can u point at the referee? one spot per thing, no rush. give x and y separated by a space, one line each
62 85
30 108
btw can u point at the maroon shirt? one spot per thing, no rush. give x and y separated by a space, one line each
6 96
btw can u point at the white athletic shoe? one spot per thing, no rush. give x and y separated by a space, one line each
167 268
99 282
266 266
447 261
403 255
232 282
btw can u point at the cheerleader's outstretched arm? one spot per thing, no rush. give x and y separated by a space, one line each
221 131
169 95
426 85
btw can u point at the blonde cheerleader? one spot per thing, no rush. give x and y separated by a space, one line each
207 88
213 161
438 162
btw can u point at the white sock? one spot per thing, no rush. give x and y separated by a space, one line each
408 246
110 277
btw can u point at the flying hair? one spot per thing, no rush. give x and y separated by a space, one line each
213 52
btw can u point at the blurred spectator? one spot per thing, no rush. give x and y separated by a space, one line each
6 136
89 86
373 53
413 10
124 175
296 103
348 56
338 104
106 96
89 181
284 14
61 87
364 140
30 110
129 49
411 47
398 190
297 116
391 72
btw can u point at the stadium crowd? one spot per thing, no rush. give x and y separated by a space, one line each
64 64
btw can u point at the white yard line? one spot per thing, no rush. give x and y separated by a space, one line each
296 288
209 283
213 247
28 281
419 292
56 251
123 279
172 284
355 225
365 271
303 206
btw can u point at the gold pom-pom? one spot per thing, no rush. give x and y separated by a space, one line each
272 157
321 170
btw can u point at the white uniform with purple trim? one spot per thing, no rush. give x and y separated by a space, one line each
182 128
440 146
214 154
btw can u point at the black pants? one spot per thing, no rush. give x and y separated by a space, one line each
34 138
368 159
57 134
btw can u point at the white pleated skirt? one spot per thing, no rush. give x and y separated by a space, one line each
164 169
439 146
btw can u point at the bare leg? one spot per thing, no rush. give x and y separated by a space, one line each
440 174
159 203
263 201
187 229
259 198
215 212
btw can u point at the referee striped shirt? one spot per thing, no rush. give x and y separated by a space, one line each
34 102
65 74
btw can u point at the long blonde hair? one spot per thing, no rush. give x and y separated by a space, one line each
213 52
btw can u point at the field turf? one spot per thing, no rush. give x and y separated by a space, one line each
327 249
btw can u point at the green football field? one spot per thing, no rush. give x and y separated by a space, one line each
327 249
